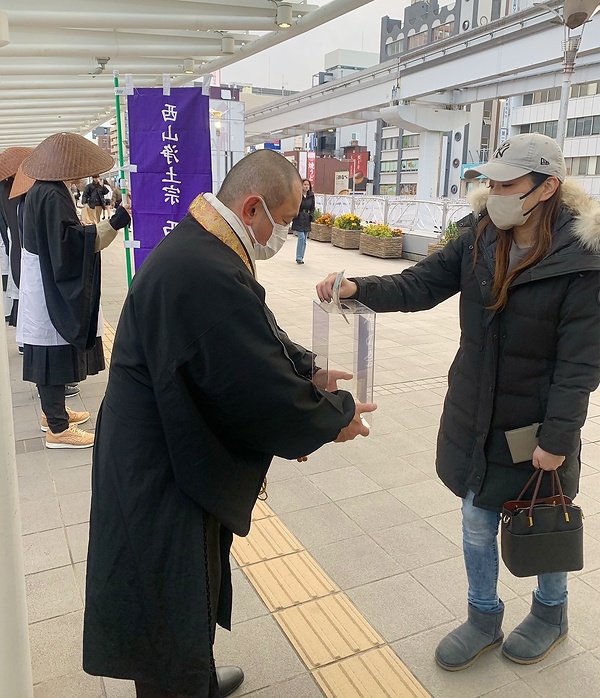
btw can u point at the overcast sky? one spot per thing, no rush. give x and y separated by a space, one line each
292 63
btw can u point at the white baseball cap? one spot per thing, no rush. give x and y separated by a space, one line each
520 155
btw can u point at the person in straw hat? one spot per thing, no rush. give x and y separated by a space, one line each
10 160
60 321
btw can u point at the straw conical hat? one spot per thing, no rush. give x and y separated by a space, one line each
21 185
66 156
10 160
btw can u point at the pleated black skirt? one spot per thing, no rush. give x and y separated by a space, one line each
63 364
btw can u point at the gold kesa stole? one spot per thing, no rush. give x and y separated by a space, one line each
212 221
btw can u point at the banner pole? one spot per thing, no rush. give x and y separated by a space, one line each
128 250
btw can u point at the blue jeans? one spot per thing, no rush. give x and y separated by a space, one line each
301 246
480 547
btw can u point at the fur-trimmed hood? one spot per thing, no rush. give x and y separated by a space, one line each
586 211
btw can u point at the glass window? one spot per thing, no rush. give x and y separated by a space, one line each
528 99
575 90
443 31
578 127
411 141
525 128
410 165
587 125
582 168
598 166
553 129
596 126
569 165
416 40
394 48
570 128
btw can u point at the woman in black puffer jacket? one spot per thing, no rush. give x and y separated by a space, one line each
527 267
301 223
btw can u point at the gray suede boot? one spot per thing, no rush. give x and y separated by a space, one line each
481 633
534 638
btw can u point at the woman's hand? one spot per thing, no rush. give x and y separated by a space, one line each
356 427
328 380
546 461
325 288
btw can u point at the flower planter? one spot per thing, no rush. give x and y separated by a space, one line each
320 233
346 239
434 247
386 248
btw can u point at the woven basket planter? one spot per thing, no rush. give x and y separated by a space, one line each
320 233
386 248
346 239
434 247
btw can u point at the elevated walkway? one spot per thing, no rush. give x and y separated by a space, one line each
367 540
476 65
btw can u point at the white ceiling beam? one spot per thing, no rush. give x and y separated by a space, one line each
83 65
134 20
112 44
112 8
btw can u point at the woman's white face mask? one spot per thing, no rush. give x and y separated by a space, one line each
275 242
507 212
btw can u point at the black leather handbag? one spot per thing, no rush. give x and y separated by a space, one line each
544 534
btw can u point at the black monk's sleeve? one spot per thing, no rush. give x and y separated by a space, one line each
70 269
252 393
421 287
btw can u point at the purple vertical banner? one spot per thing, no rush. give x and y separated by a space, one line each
169 152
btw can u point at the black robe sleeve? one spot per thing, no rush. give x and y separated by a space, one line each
70 267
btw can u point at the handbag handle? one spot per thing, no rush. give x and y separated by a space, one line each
555 483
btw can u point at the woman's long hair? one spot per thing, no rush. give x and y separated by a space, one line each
309 186
502 277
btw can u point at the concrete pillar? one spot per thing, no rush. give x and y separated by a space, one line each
430 151
15 663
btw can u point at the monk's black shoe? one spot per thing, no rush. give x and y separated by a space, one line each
229 678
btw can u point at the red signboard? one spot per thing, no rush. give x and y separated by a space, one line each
311 168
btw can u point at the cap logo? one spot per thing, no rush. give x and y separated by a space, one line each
543 161
501 150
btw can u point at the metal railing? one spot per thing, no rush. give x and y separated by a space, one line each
428 218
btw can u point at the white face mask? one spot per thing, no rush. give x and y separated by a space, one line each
507 212
275 242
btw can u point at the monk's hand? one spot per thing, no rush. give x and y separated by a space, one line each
546 461
356 427
327 380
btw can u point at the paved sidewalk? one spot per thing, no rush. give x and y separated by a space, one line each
371 513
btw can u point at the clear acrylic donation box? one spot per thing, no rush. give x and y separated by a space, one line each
344 339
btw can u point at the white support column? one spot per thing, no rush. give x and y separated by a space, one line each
430 152
15 663
430 123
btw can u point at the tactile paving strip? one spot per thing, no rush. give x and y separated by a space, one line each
261 511
289 580
326 630
107 341
375 674
268 539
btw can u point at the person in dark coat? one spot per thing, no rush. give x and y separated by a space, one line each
527 267
204 389
94 198
301 223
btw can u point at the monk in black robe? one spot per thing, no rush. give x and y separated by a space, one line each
204 390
